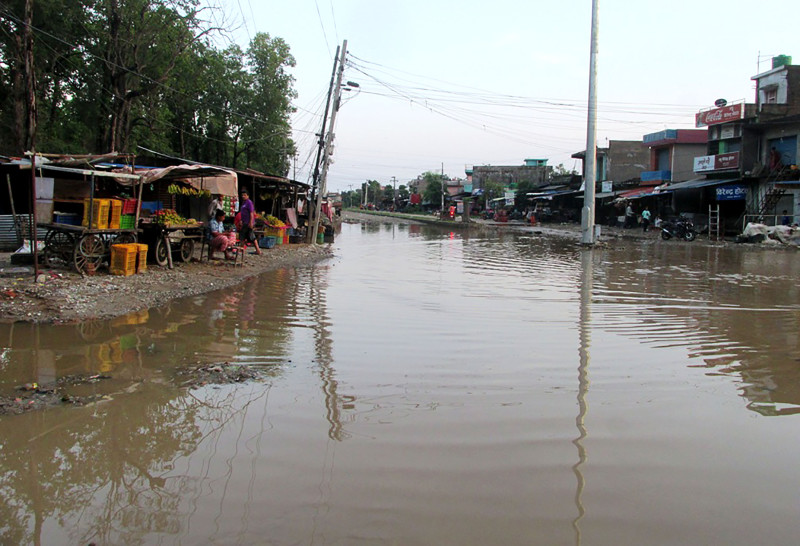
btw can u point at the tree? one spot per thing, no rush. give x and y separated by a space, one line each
561 170
402 192
351 198
432 193
492 190
388 195
59 38
138 44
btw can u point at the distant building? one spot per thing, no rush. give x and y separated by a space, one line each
534 171
672 154
621 163
752 150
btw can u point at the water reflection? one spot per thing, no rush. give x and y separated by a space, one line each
425 390
104 469
721 305
584 345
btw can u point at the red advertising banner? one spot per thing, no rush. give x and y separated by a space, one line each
719 115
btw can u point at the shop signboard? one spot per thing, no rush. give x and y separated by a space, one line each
715 116
732 192
719 162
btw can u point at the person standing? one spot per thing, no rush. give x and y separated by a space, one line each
214 206
248 216
630 218
645 219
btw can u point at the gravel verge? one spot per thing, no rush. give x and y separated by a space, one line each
61 296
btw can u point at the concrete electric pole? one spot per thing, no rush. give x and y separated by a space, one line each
590 161
326 156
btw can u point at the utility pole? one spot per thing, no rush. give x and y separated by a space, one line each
394 192
312 219
30 82
590 163
326 156
441 211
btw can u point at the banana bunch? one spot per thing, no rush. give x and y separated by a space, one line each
175 189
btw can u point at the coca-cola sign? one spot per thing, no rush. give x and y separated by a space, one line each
719 115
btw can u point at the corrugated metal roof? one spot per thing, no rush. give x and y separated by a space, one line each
8 235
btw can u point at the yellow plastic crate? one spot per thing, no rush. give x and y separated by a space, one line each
115 212
141 262
100 208
123 259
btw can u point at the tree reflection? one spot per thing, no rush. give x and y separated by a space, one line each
102 472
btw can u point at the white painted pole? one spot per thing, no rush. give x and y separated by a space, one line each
590 160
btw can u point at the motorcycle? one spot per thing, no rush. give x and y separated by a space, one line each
682 228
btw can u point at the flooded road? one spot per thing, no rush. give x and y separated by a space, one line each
427 387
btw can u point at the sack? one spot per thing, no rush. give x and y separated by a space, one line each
251 236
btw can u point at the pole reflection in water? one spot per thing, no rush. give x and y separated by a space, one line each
420 389
584 344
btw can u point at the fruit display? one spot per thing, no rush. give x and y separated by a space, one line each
168 217
272 221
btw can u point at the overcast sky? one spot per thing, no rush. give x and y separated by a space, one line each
455 84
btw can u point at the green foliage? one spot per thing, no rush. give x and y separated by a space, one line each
112 75
402 192
433 188
492 190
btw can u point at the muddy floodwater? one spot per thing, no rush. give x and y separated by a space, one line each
428 387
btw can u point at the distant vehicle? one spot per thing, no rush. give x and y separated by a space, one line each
682 228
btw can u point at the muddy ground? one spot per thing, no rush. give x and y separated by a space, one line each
62 296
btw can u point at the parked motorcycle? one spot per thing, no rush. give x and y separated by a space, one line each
682 228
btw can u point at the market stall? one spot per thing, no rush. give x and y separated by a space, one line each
87 247
169 231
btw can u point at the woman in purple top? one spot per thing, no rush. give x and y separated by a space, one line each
248 216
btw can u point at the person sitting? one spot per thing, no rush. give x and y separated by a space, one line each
220 238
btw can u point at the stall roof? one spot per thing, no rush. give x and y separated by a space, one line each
697 183
637 193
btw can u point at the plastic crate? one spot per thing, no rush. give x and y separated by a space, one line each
266 242
115 212
100 209
127 221
65 218
141 260
123 259
129 206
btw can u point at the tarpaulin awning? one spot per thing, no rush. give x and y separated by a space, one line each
637 193
202 177
697 183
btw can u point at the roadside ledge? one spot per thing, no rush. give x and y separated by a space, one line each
63 296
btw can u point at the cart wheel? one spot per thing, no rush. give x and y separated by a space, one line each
124 239
89 253
90 329
187 249
162 247
58 249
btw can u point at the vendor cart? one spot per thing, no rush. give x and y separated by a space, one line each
83 249
166 239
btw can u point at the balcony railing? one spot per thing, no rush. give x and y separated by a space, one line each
656 176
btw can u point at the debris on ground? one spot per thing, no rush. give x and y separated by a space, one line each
33 396
761 233
217 374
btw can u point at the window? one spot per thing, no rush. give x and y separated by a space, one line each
769 94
